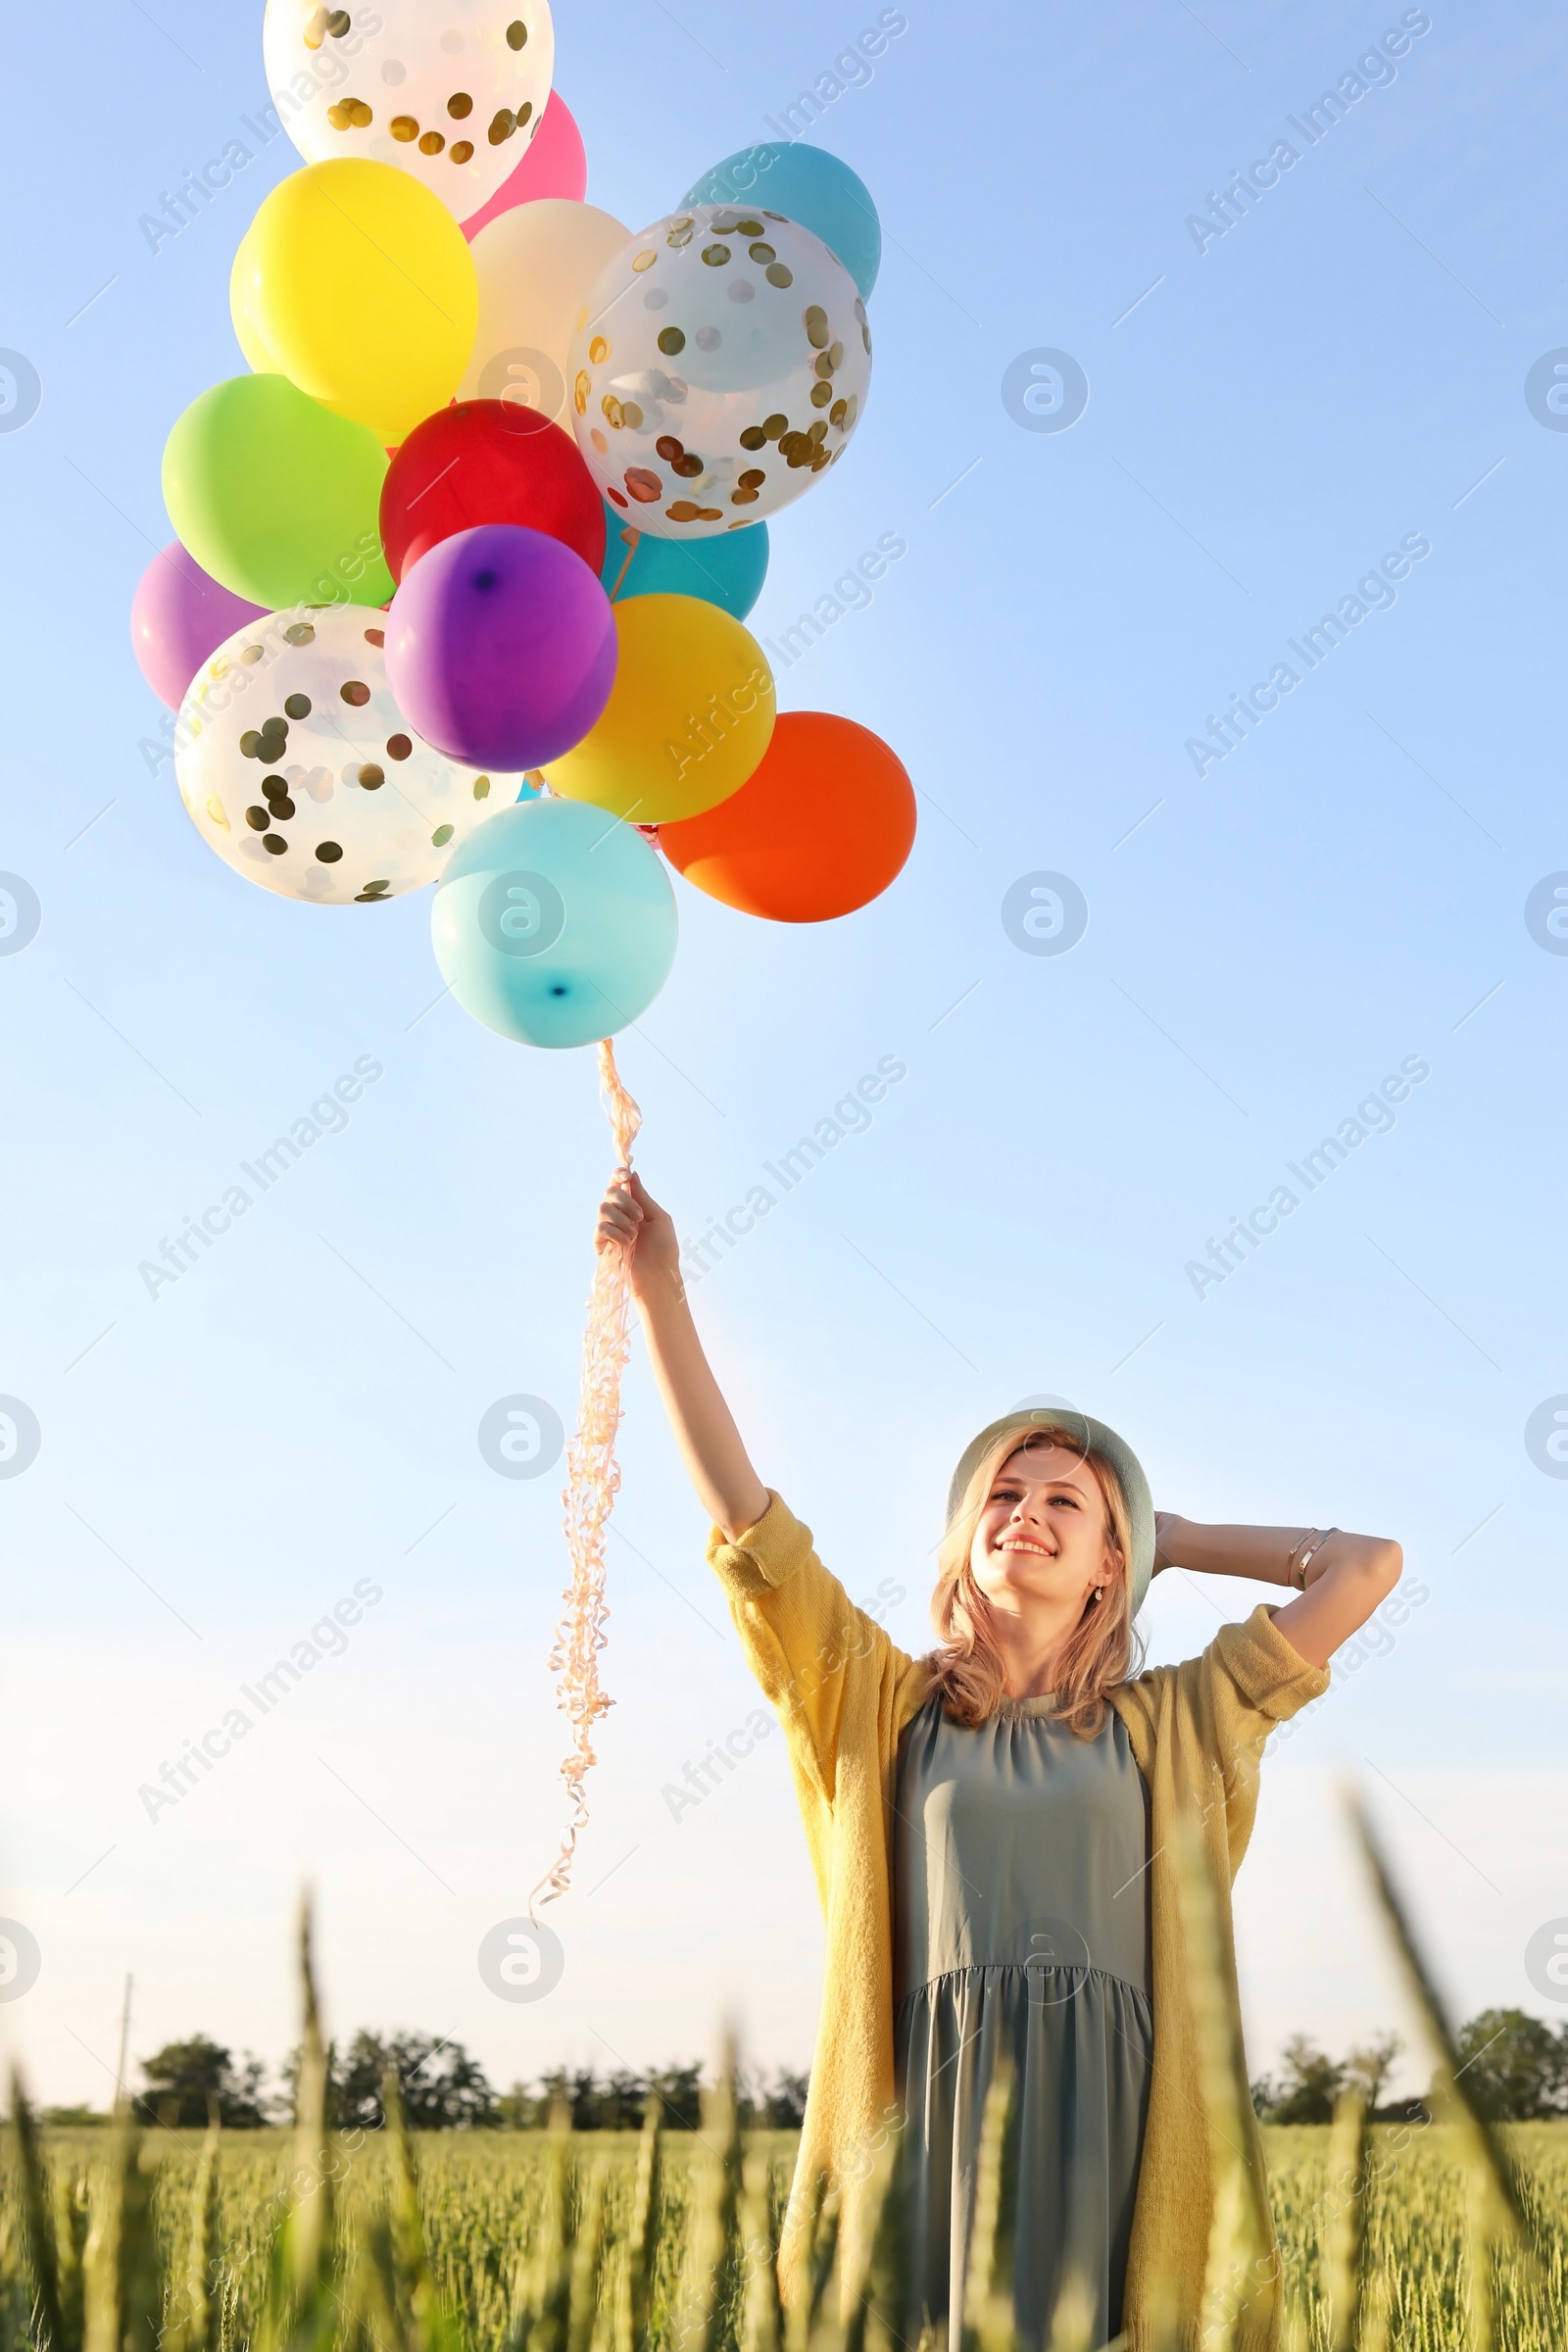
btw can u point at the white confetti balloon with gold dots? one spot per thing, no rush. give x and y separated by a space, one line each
299 769
448 91
720 365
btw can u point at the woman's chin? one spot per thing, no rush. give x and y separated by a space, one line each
1020 1582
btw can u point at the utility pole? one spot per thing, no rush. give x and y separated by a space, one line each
125 2041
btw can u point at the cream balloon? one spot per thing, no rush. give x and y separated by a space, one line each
451 95
297 767
719 366
536 265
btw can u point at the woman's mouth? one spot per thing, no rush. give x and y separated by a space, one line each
1024 1544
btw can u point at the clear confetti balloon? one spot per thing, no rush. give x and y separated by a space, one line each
299 769
448 91
720 366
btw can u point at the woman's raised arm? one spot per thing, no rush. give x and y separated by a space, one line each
716 1461
1340 1578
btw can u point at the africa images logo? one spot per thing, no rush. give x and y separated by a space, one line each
521 913
1045 391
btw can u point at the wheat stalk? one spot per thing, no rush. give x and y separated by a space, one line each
1240 2232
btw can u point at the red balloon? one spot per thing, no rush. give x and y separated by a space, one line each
488 461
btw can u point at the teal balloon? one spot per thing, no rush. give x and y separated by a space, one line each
554 923
729 573
808 185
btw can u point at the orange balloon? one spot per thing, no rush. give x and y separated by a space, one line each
822 827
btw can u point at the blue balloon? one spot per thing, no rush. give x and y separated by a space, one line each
728 571
808 185
554 923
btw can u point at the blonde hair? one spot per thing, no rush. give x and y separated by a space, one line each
967 1670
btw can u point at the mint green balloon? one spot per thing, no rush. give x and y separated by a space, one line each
276 496
554 924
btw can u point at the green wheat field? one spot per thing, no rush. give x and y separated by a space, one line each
484 2200
1449 2235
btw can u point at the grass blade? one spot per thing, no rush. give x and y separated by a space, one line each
123 2303
1345 2236
194 2319
1497 2177
587 2260
38 2243
761 2319
810 2322
988 2287
1240 2230
635 2307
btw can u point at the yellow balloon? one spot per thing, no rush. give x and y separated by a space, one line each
247 335
357 283
688 719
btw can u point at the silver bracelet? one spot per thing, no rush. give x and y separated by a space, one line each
1306 1552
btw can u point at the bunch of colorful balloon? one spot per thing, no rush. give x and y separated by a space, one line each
463 567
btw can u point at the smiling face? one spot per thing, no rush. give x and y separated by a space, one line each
1043 1532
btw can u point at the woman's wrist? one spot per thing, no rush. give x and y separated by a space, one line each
1167 1540
1269 1555
657 1289
1307 1563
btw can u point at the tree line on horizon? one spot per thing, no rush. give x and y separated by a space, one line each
442 2089
1516 2065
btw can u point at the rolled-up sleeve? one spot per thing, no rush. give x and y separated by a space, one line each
1269 1677
1245 1686
805 1640
1212 1717
767 1553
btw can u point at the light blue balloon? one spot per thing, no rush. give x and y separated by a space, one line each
554 923
808 185
729 573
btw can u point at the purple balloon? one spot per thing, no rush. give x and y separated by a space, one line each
179 616
501 647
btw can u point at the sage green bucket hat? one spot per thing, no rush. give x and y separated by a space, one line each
1088 1433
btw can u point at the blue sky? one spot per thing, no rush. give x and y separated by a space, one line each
1270 412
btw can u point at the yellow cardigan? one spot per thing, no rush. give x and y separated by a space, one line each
843 1694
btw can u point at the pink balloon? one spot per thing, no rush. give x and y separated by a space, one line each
179 616
556 165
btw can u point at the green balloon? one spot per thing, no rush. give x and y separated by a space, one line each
276 496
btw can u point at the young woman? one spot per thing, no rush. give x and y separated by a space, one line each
987 1826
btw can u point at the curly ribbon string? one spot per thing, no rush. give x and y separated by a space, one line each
592 1479
633 540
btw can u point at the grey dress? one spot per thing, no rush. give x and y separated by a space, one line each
1021 1925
